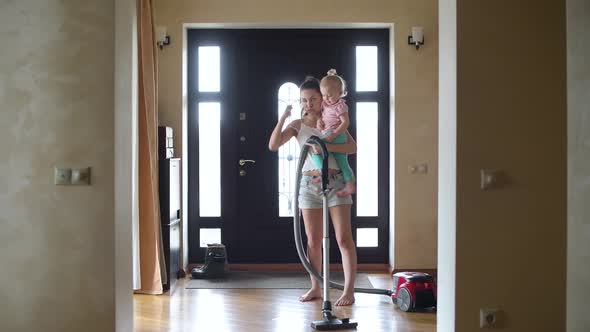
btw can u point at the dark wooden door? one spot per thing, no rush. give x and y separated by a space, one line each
255 65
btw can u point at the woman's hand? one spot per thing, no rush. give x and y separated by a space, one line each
287 112
330 137
321 124
280 136
315 149
347 148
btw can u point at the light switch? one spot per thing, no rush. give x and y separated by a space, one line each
81 176
422 168
419 168
62 176
489 178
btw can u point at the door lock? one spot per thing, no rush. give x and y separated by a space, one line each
243 162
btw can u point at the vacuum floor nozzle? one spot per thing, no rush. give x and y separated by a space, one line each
333 324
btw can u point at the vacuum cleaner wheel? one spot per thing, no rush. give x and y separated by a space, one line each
404 301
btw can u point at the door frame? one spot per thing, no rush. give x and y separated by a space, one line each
185 151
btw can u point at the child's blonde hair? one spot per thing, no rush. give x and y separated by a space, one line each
334 78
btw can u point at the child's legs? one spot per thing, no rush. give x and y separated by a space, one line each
342 161
342 158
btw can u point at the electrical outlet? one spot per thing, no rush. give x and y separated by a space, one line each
62 176
489 318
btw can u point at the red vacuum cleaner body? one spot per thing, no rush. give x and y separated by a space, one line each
413 290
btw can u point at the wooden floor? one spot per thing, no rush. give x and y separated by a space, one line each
268 310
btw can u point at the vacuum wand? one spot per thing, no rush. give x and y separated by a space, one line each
297 218
326 247
330 322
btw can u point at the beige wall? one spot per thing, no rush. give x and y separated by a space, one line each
511 115
415 94
56 92
578 47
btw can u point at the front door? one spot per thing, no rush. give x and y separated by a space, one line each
239 82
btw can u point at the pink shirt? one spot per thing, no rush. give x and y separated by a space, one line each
331 114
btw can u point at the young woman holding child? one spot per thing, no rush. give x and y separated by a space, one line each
310 198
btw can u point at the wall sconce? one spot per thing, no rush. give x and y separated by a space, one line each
417 37
162 39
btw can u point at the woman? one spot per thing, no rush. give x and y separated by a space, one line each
310 199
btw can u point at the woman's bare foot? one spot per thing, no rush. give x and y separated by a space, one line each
312 294
349 189
345 299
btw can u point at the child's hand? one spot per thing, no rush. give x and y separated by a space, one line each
330 137
287 112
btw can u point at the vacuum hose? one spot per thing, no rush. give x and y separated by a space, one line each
297 218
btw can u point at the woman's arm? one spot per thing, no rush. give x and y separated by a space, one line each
348 148
279 136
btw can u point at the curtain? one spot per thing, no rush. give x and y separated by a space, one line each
152 265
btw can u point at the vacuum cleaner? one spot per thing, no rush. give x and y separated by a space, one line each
330 321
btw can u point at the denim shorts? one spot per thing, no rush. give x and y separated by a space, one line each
310 193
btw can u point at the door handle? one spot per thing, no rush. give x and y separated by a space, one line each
243 162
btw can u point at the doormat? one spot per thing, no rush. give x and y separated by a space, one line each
271 280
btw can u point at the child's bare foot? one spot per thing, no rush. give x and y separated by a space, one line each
345 299
349 189
312 294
